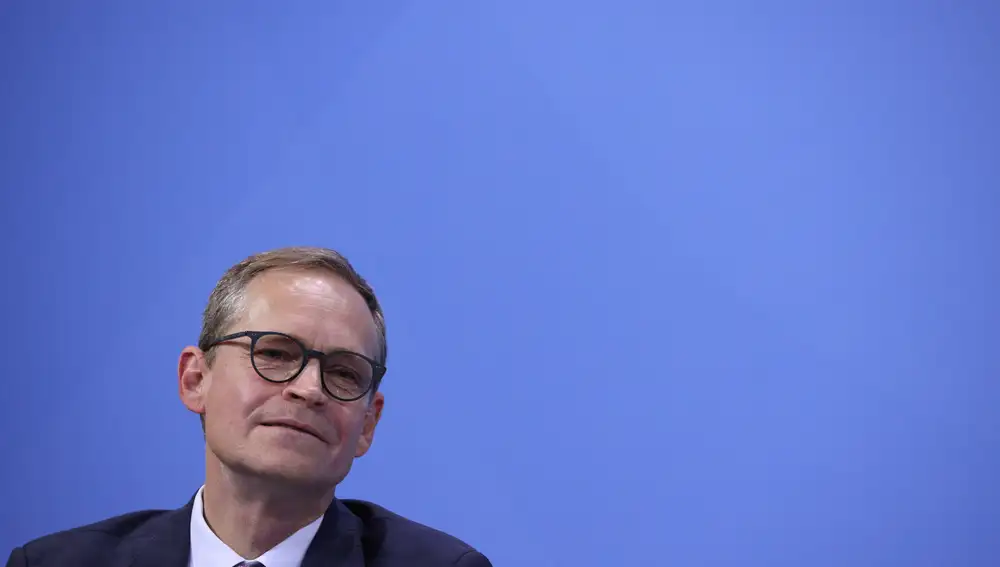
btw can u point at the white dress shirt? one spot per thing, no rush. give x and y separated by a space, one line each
207 550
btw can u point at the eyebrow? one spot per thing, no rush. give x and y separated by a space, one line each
329 350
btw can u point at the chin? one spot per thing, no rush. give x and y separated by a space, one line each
290 463
295 468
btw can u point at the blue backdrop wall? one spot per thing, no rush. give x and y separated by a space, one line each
703 283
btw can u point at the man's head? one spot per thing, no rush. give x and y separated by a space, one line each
253 415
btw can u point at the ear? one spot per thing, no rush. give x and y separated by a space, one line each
192 379
372 415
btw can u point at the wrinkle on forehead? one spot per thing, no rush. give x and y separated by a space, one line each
309 283
317 307
264 295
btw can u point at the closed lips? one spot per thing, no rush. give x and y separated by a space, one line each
293 425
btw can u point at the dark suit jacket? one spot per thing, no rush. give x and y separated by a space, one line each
353 533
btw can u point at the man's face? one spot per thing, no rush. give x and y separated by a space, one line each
324 312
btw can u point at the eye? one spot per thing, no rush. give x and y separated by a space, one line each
342 373
274 354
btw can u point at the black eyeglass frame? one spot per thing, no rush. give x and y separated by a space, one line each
378 370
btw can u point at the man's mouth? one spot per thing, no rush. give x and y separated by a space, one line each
294 426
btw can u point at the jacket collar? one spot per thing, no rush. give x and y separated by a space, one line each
165 540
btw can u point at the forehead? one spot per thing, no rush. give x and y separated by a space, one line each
316 306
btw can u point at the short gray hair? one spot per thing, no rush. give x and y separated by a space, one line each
227 299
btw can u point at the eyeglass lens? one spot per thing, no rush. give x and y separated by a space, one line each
279 358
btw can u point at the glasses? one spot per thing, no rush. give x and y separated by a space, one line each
277 357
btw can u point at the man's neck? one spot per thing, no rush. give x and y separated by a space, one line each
252 515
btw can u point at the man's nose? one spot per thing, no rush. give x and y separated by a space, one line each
308 385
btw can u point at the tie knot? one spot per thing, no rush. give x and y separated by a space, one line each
249 564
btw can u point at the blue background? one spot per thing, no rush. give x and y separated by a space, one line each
706 283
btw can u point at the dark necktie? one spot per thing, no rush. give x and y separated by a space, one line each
249 564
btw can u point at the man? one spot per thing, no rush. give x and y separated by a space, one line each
285 378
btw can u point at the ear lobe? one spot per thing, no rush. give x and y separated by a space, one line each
372 416
192 380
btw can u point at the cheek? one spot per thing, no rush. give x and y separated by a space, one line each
348 422
235 396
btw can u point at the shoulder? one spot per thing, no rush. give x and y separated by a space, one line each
91 544
389 536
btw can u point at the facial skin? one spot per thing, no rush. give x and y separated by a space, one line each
324 312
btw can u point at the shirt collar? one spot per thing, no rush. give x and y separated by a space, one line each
207 550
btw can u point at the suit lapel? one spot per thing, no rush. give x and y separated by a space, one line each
338 540
163 541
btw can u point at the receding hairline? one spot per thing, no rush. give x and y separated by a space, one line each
227 300
252 292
